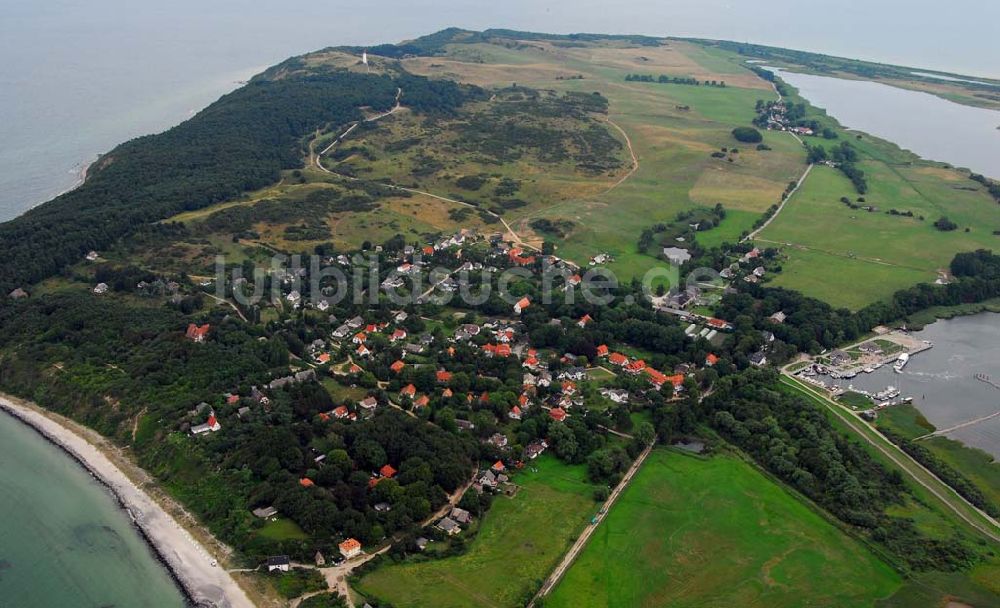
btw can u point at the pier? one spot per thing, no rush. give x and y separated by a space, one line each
963 425
982 378
985 378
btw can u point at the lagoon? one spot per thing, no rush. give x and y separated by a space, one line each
927 125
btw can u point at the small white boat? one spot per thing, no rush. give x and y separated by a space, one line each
901 363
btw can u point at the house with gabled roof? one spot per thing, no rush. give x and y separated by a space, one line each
197 333
350 548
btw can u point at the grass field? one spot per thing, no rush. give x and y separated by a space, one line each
852 257
519 541
282 529
716 532
673 145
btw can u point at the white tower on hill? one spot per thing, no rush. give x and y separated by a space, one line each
364 57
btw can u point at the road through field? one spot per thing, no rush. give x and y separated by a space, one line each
581 542
784 202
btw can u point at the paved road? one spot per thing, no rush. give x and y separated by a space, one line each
581 542
931 482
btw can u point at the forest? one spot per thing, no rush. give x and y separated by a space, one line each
239 143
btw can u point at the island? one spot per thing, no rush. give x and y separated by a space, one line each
508 319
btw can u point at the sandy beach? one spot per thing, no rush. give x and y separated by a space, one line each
194 567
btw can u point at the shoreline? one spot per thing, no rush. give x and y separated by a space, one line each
197 574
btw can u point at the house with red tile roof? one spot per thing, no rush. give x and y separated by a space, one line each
397 335
584 320
602 350
618 359
359 338
363 351
408 391
514 413
447 392
711 360
350 548
521 305
635 367
657 378
443 376
305 482
422 401
677 380
341 412
387 471
558 414
197 333
397 366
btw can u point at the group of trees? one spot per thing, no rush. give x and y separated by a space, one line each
845 156
747 135
664 79
239 143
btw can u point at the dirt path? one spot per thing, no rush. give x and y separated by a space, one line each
227 303
581 542
631 151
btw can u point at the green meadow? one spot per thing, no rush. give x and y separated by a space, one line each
716 532
853 257
520 540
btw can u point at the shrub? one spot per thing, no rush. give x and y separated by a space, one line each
747 135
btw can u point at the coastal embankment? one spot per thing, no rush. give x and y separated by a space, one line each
198 573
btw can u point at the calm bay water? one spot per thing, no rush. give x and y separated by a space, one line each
932 127
63 539
942 380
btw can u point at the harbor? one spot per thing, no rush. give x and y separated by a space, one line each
951 374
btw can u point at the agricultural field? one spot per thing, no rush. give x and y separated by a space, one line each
716 532
519 542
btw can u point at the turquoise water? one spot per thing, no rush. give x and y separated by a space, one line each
63 541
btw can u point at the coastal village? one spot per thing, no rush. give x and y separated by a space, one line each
404 360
